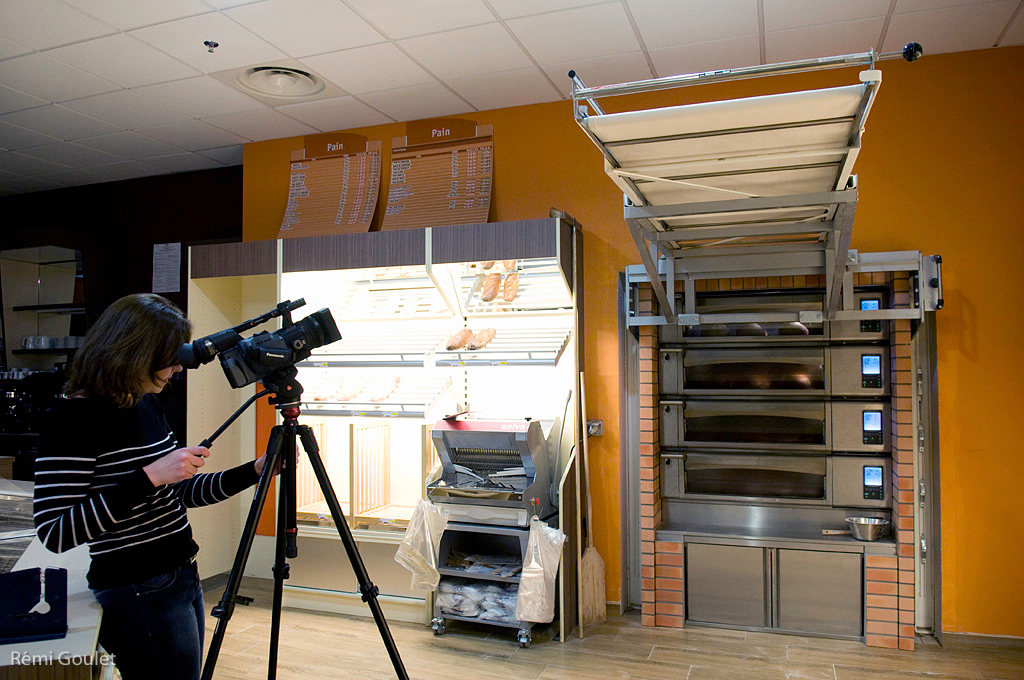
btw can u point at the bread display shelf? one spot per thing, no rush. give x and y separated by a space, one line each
411 398
541 287
380 346
512 347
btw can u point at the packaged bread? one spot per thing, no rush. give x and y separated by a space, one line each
487 264
481 339
489 291
458 340
510 265
511 287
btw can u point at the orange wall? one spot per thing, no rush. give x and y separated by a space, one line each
939 172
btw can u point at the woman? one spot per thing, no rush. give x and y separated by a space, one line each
110 473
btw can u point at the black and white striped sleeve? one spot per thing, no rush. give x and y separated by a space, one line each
213 487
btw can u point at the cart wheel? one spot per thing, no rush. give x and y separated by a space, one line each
437 624
524 638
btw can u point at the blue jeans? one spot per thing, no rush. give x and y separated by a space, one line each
155 629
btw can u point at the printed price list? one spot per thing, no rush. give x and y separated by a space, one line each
332 195
440 184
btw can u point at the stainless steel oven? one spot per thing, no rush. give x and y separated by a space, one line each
847 371
838 481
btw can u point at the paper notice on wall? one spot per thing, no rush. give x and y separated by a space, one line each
166 267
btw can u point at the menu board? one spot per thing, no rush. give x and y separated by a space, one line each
441 174
333 188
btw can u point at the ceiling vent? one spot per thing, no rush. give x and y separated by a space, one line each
280 81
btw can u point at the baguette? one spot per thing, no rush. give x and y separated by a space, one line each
510 265
487 264
511 287
481 339
489 290
459 339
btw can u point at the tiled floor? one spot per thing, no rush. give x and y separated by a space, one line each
317 646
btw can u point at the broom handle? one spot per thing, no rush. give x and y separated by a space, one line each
586 462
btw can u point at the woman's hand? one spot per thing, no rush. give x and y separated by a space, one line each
262 460
177 465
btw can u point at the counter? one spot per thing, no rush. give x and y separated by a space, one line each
73 656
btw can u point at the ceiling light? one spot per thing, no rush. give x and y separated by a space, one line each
280 81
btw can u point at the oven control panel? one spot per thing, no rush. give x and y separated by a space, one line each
871 370
874 488
872 427
874 325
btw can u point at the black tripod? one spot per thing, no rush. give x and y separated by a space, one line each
281 452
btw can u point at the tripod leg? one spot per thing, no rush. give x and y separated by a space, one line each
286 547
366 587
226 607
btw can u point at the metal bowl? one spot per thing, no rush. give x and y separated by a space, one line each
867 528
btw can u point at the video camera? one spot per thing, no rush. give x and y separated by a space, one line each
247 360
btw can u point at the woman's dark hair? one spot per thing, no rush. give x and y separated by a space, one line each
134 338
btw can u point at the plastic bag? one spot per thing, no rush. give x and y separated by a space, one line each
536 601
418 550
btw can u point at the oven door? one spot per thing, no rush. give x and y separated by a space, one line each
776 477
739 371
753 424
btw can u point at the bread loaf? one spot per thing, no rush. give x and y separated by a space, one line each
487 265
489 291
479 340
511 287
459 339
510 265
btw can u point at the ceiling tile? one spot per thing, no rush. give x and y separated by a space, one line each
224 4
12 184
71 154
226 155
467 52
14 100
17 137
977 27
304 27
44 77
58 121
19 164
369 69
184 40
335 114
904 6
183 162
509 9
125 170
666 23
406 18
622 68
129 145
782 14
810 42
200 97
707 56
123 60
10 48
126 110
509 88
74 178
48 24
572 34
419 101
261 125
128 14
1015 36
192 135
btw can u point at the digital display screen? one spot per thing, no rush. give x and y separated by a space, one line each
872 421
872 475
871 364
872 303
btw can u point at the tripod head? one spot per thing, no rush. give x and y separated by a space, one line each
286 389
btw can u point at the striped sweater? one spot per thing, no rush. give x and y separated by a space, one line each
90 488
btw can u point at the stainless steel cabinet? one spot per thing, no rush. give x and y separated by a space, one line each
819 592
726 584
